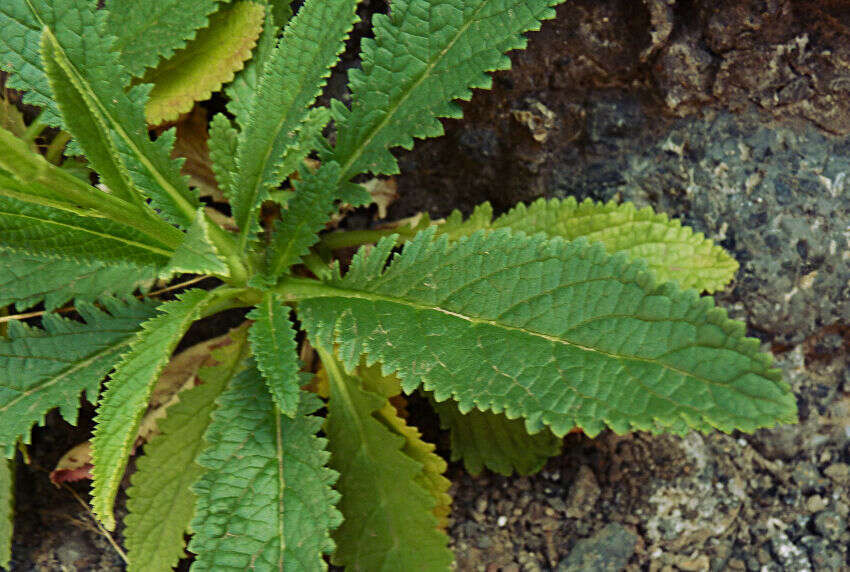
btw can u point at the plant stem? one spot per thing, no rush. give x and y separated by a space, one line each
54 150
349 238
317 265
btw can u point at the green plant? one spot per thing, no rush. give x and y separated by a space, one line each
553 313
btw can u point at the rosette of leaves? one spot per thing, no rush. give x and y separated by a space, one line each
554 317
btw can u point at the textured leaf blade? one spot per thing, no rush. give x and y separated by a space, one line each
30 280
306 214
425 54
485 439
223 142
174 22
560 333
243 88
275 351
99 77
433 466
292 78
124 401
159 502
672 251
197 254
388 520
22 22
265 501
7 504
33 229
84 120
205 64
40 369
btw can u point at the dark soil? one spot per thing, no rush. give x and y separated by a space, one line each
731 114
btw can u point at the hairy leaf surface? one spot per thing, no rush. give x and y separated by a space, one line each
205 64
560 333
197 254
146 31
672 251
389 521
243 88
159 502
30 280
273 343
45 368
425 54
265 501
22 22
485 439
7 505
306 214
292 79
33 229
223 144
78 38
126 396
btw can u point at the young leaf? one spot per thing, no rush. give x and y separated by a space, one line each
265 501
223 145
30 280
84 52
45 368
33 229
7 505
205 64
146 32
672 251
197 254
425 54
242 89
123 402
306 214
389 522
485 439
292 79
560 333
159 500
273 344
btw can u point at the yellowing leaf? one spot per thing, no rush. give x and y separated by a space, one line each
73 465
205 64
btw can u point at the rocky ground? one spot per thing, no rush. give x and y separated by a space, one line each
733 115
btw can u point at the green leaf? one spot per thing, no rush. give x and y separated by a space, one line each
560 333
672 251
83 50
433 466
45 368
146 31
33 229
123 402
205 64
388 520
484 439
273 344
425 54
7 506
242 89
306 214
85 121
292 79
281 10
265 501
223 143
308 138
159 500
30 280
22 22
12 119
197 254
